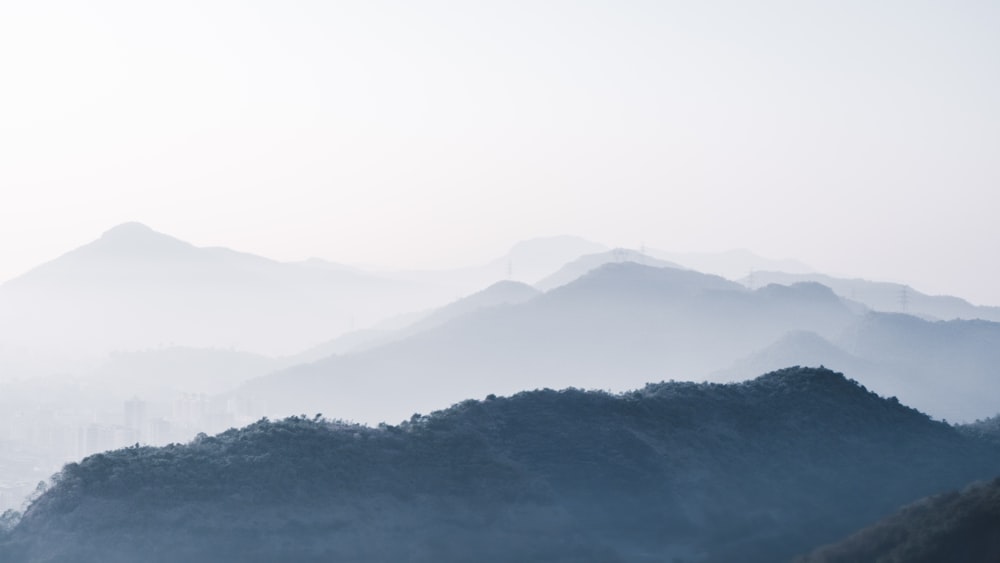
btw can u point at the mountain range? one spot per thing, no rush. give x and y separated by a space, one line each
206 338
615 327
139 336
756 471
948 368
883 296
624 323
134 289
397 328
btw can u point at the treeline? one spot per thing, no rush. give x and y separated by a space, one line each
988 429
956 526
755 471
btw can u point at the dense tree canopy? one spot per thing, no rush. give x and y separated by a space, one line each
757 471
954 526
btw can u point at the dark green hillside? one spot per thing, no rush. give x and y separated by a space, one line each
755 471
957 526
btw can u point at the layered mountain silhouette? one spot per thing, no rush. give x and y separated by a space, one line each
797 347
579 267
954 526
501 293
752 471
527 262
884 296
616 327
947 368
623 323
731 264
135 288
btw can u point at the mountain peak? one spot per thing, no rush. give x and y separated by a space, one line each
136 238
128 229
805 375
803 290
824 385
632 276
588 262
505 286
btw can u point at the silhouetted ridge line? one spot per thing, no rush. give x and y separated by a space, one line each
129 229
649 278
134 289
752 471
137 237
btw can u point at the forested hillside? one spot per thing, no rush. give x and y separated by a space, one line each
754 471
956 526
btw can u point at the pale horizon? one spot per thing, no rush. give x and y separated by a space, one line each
857 138
443 281
457 258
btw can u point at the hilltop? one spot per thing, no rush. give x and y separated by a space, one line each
135 288
758 470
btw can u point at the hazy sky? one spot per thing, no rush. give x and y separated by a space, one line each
860 137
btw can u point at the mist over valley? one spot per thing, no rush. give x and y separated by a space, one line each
434 281
558 429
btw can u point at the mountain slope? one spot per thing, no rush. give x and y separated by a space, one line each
797 348
500 293
955 526
950 366
755 471
885 297
134 289
577 268
945 368
616 327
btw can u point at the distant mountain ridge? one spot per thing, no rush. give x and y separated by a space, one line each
884 296
948 368
755 471
527 261
500 293
617 326
135 288
623 323
731 264
584 264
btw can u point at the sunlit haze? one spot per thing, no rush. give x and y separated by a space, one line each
860 138
552 280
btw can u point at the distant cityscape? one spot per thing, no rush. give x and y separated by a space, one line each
37 440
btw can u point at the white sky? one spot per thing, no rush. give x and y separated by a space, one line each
860 137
